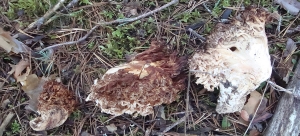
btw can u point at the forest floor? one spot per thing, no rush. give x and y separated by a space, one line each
79 63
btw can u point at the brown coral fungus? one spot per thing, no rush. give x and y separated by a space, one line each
152 78
55 104
236 59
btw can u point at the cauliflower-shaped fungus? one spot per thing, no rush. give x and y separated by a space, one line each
152 78
236 59
55 104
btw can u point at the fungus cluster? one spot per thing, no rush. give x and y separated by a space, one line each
55 104
151 78
236 59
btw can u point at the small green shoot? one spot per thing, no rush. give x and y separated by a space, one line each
15 127
225 123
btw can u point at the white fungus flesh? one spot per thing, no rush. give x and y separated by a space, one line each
236 59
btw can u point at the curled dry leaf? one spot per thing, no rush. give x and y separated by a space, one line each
236 59
11 44
293 6
33 86
152 78
55 104
285 66
17 70
251 106
111 128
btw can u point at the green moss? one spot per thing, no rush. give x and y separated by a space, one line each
31 8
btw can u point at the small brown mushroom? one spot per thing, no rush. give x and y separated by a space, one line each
55 104
236 59
152 78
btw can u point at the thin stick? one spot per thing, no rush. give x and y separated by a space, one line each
71 4
5 122
196 34
187 101
174 124
72 42
41 20
263 95
125 20
134 123
279 88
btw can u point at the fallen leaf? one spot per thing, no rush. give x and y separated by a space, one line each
5 103
11 44
254 132
249 109
17 69
131 8
262 117
286 64
6 41
292 6
252 103
33 86
111 128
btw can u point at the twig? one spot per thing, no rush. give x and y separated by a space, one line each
196 34
205 6
125 20
174 124
287 28
279 88
134 123
72 42
187 100
70 4
263 95
5 122
41 20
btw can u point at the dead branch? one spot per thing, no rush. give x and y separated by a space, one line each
71 4
5 122
175 124
196 34
125 20
41 20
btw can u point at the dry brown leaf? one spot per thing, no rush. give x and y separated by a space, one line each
285 66
17 69
6 41
251 106
111 128
252 103
33 86
11 44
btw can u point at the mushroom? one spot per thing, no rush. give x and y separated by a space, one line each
151 78
55 104
236 59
